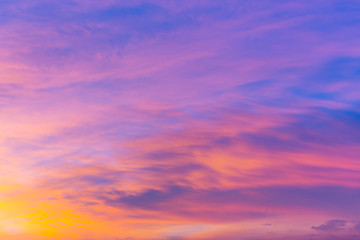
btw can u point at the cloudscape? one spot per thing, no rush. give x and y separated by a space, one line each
180 119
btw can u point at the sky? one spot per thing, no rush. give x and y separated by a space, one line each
176 120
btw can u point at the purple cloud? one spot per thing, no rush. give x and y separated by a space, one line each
331 225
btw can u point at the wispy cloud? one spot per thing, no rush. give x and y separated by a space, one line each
331 225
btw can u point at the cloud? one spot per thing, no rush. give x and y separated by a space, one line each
239 204
357 227
331 225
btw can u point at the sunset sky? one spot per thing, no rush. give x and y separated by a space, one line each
180 119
